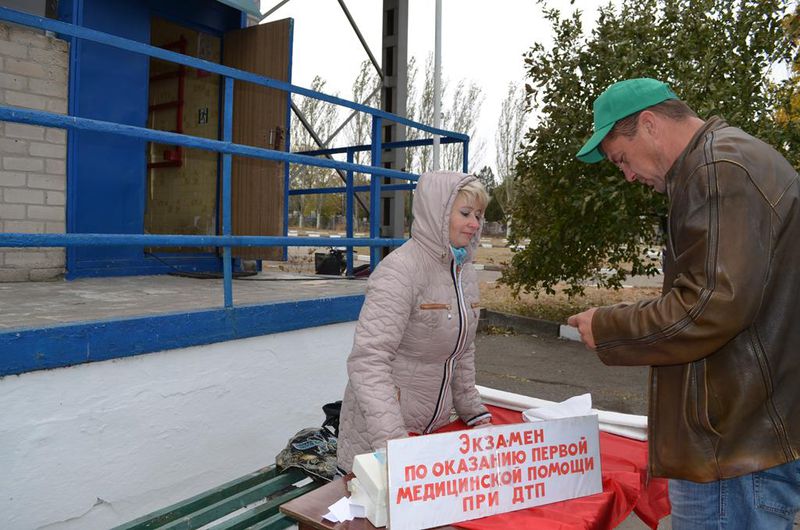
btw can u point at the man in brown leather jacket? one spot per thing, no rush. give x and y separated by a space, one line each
723 339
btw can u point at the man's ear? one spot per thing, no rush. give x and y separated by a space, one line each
647 120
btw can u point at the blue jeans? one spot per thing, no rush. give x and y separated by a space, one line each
765 500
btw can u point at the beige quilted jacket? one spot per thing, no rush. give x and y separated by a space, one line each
413 361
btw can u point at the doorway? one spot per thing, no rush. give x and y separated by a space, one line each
183 184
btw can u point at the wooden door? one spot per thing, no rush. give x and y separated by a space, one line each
259 119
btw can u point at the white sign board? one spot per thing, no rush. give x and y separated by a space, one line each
445 478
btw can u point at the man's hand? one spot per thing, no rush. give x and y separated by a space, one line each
583 321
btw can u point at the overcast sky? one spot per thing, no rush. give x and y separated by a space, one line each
481 42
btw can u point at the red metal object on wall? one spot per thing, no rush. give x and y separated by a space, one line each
172 157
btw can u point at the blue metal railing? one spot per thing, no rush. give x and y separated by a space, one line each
227 148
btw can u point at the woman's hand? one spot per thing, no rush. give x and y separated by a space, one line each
483 423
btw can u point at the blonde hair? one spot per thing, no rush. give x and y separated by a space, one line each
475 193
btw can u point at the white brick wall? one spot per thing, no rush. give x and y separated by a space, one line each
33 181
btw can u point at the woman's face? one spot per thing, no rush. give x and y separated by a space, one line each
465 219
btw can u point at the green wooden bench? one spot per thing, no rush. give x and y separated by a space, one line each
264 485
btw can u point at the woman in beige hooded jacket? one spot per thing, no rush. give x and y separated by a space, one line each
413 359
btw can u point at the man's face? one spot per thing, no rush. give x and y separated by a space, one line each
638 157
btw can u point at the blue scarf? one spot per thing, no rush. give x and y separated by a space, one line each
460 254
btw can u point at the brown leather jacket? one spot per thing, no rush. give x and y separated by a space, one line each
723 340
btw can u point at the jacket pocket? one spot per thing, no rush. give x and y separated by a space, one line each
476 309
774 492
429 307
435 315
700 376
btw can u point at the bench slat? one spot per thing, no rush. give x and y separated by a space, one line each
276 522
164 516
263 512
232 503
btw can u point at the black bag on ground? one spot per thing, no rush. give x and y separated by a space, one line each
332 411
332 263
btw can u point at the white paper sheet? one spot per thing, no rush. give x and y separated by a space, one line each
339 511
344 510
574 406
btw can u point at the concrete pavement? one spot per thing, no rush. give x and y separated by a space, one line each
556 369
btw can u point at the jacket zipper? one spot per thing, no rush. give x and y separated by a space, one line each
449 365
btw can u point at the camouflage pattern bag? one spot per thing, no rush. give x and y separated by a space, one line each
311 450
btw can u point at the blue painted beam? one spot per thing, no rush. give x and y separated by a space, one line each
26 350
388 145
153 51
343 189
48 119
153 240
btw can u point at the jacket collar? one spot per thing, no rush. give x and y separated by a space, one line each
678 167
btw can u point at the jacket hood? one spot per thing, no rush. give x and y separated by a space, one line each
433 200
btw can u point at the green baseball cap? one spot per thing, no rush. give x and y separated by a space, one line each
619 101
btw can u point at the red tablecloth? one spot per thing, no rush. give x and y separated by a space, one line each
625 489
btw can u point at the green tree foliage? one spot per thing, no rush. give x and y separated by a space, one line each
494 213
493 210
486 176
579 218
787 93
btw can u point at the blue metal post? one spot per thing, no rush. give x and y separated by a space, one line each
227 136
465 163
287 182
375 193
348 212
75 51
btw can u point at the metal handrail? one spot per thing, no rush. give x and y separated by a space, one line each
80 32
227 148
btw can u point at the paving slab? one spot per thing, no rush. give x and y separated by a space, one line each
42 304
